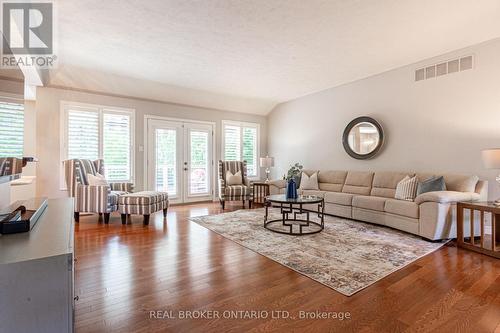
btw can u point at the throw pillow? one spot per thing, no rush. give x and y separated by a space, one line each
309 182
235 179
431 185
407 188
96 180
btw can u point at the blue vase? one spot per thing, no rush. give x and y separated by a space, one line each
291 189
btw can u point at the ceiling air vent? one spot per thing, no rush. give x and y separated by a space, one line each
443 68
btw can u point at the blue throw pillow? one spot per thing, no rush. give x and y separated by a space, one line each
431 184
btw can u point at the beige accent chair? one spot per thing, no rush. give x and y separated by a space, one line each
369 196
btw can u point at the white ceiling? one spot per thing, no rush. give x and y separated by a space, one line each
249 55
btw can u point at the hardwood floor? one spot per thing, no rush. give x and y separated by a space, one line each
123 272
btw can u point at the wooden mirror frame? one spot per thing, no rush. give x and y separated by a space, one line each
350 126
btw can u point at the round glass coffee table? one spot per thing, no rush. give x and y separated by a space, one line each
289 223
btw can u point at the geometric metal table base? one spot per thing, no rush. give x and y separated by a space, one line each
290 223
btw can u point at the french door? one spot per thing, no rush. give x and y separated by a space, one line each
180 161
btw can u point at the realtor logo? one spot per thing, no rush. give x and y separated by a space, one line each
28 34
27 28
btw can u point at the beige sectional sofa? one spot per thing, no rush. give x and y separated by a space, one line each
369 197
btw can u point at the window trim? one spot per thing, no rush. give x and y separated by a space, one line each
242 124
100 109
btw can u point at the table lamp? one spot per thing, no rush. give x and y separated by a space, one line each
267 162
491 160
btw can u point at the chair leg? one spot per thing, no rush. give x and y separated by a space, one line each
146 219
249 204
100 216
222 203
124 218
165 212
76 215
243 204
106 218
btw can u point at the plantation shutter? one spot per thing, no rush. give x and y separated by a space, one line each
101 133
249 149
232 143
11 130
116 146
83 134
241 144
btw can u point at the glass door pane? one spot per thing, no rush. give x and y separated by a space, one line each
198 164
166 161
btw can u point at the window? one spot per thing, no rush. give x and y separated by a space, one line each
241 142
93 132
116 146
11 130
83 134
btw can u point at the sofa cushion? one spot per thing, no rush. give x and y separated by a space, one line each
339 198
358 182
407 189
308 172
454 182
309 182
331 180
320 194
431 185
402 207
385 182
369 202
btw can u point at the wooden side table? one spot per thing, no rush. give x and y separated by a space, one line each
260 191
488 244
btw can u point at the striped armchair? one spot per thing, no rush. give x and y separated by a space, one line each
92 199
234 192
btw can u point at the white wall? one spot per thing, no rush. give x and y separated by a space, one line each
48 129
437 125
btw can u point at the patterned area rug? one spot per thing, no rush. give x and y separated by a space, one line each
346 256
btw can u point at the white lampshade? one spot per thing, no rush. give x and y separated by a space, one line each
266 162
491 158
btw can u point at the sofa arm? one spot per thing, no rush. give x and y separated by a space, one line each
126 187
276 185
446 197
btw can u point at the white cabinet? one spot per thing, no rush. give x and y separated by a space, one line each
36 274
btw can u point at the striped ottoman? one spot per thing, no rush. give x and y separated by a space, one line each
142 203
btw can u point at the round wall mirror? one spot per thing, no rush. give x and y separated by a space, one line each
363 137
